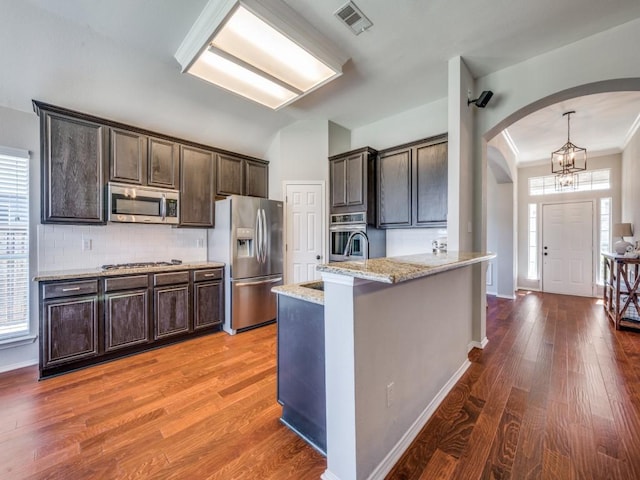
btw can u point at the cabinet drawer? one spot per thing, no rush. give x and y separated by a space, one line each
170 278
69 289
125 283
202 275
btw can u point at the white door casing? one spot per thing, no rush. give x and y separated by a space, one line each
304 230
567 248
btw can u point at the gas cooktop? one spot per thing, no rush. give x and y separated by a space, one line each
117 266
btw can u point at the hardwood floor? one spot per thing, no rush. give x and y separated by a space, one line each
556 394
201 409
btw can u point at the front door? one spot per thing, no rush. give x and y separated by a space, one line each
567 248
304 230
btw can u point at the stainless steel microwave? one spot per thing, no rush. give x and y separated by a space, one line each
138 204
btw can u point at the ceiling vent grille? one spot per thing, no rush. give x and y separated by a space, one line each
353 18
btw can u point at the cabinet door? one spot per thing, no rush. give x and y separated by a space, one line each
70 329
431 185
256 179
197 175
163 164
230 175
338 181
207 304
355 180
126 319
72 170
171 307
394 189
128 157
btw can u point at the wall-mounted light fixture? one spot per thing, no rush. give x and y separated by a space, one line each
262 50
482 100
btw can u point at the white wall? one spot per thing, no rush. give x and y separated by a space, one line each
492 233
630 184
614 162
501 217
420 122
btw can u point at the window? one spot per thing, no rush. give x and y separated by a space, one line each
586 181
532 272
14 243
605 233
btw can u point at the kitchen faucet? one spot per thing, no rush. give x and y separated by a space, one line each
347 249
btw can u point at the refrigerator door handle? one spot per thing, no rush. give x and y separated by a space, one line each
259 282
258 237
264 237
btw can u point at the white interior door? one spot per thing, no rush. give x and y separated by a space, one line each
304 225
567 248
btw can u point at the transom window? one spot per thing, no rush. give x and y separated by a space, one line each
586 181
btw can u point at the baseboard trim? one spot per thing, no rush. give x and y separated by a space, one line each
328 475
475 344
530 289
15 366
508 297
396 452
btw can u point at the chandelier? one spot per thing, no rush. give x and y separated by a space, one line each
568 160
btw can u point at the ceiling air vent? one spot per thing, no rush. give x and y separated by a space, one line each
353 18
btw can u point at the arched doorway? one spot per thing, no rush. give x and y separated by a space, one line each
493 135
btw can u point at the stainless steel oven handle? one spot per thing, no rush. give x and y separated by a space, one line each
349 228
260 282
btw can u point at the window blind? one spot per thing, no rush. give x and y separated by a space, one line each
14 242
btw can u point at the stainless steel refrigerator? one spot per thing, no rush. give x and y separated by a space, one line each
248 239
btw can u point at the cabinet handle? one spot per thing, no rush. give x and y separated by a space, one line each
210 274
73 289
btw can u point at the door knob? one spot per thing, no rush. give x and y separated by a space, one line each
546 248
318 257
546 253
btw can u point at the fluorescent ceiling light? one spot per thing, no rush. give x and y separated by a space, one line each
261 50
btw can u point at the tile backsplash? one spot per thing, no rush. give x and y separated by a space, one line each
63 247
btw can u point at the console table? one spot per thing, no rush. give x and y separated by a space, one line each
621 284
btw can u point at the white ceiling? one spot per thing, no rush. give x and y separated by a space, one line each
602 124
400 63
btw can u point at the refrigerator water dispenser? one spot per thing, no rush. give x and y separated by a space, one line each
244 242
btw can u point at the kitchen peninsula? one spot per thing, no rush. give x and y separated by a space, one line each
397 332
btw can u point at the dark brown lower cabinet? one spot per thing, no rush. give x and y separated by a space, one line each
71 332
207 304
126 319
171 306
88 321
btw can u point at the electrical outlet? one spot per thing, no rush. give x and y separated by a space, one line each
201 243
390 394
87 243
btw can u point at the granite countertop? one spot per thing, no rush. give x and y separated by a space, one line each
303 291
408 267
98 272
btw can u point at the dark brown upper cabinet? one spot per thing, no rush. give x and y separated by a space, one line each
197 184
241 176
412 184
141 160
128 157
352 182
256 178
73 153
163 164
